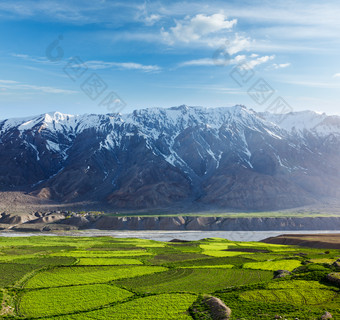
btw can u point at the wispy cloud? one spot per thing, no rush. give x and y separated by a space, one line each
336 75
208 62
15 85
255 62
39 60
96 65
239 59
76 12
315 84
280 65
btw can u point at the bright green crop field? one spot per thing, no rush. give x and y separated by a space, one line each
103 278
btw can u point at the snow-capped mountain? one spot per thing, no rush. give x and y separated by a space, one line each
223 157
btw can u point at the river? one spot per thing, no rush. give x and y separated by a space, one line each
168 235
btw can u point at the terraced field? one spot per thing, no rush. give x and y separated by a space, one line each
63 300
298 292
107 261
289 265
205 280
165 306
65 278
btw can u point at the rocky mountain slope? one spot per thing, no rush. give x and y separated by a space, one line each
182 156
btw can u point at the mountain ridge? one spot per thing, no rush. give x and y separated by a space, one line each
229 157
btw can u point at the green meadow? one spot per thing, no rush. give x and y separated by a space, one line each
64 278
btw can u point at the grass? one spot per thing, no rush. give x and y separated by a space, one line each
86 275
63 300
160 307
203 280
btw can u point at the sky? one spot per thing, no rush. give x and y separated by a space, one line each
103 56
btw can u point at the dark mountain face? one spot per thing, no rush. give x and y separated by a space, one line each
220 158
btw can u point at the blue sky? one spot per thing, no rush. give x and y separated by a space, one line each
168 53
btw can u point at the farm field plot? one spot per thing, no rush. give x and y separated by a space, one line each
195 280
172 257
63 300
220 266
86 275
289 265
160 307
295 292
225 253
223 249
107 261
103 254
109 278
12 272
211 261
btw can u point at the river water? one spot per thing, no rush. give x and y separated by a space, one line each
168 235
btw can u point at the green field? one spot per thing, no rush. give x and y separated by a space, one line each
106 261
206 280
164 306
67 276
298 292
289 265
63 300
64 278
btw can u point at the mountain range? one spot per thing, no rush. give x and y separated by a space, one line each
227 158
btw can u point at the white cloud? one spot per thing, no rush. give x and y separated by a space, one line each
7 82
280 65
205 62
96 65
42 60
208 62
253 63
337 75
199 28
15 85
151 19
242 60
239 43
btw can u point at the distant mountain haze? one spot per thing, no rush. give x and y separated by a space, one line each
232 158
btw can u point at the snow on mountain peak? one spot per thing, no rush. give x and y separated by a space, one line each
56 117
305 121
155 121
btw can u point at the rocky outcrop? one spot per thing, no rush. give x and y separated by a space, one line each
281 274
8 218
215 223
327 240
326 315
66 220
185 223
334 277
218 310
